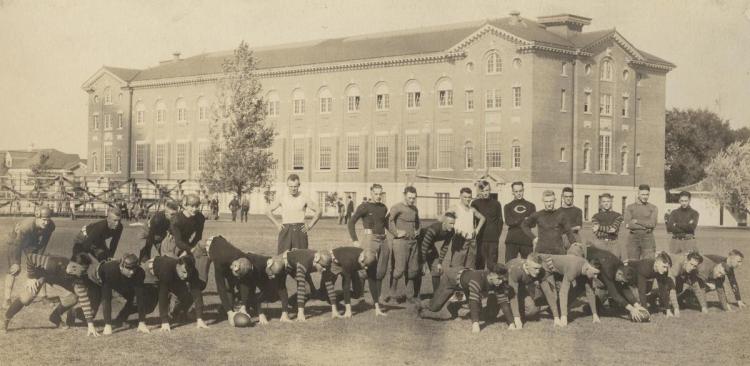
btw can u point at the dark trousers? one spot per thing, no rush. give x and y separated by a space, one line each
512 251
486 255
291 236
234 215
243 214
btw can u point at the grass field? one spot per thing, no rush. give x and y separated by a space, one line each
400 339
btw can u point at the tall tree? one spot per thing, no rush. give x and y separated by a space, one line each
693 138
238 159
729 176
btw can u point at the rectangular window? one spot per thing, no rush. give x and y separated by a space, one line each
469 100
322 201
382 102
605 105
445 98
325 105
516 97
493 99
352 152
107 158
381 152
203 150
516 150
181 115
325 151
605 153
141 151
494 154
412 151
353 104
445 151
563 100
564 70
413 100
298 155
119 120
140 117
469 155
625 107
443 202
563 155
299 106
273 108
161 115
181 157
587 103
96 121
161 158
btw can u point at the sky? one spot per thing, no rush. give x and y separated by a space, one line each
49 48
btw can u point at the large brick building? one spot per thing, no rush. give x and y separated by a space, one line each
538 101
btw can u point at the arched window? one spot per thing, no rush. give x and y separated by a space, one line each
107 95
326 100
624 159
445 93
494 63
161 112
413 94
181 107
352 99
140 113
202 109
298 102
382 97
272 104
515 155
469 155
606 69
587 157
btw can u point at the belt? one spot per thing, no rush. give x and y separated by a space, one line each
648 231
608 239
685 237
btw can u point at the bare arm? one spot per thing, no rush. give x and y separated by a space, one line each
481 218
269 213
316 214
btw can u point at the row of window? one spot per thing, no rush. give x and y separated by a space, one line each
107 93
108 123
160 112
161 157
111 163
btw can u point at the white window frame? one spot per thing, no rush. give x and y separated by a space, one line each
143 155
120 122
469 162
494 63
96 121
587 103
185 156
625 107
94 162
326 104
411 151
107 96
587 157
563 100
516 97
515 155
353 152
607 70
564 69
493 100
107 158
325 153
298 146
107 121
161 163
161 113
382 102
445 150
605 151
493 150
382 152
203 150
624 157
413 100
469 95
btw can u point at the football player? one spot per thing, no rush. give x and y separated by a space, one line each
93 237
566 269
353 264
28 236
179 277
299 264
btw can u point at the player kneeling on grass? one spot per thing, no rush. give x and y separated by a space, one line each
616 281
231 270
732 261
683 273
709 277
56 271
472 283
522 273
299 264
566 269
179 277
657 268
127 278
265 275
353 264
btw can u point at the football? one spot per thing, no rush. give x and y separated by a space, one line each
242 320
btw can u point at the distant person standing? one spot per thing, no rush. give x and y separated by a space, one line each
606 227
340 208
349 209
573 218
244 209
488 238
640 219
682 223
72 205
215 207
516 242
293 229
234 206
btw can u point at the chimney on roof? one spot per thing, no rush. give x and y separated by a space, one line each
565 25
515 17
176 56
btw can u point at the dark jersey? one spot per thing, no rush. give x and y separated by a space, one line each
551 225
187 231
682 222
609 224
93 237
27 238
515 213
222 254
373 217
645 270
731 277
157 228
493 214
53 270
608 265
518 280
113 279
299 264
165 270
429 236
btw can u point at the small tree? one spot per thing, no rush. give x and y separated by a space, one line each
40 178
239 159
729 176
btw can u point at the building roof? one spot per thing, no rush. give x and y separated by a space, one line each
700 187
58 160
123 73
371 46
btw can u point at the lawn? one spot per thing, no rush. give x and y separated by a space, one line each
400 339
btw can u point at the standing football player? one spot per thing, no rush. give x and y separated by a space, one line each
156 230
93 237
28 236
186 229
403 224
441 231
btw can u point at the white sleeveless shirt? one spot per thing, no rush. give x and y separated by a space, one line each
293 209
464 221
